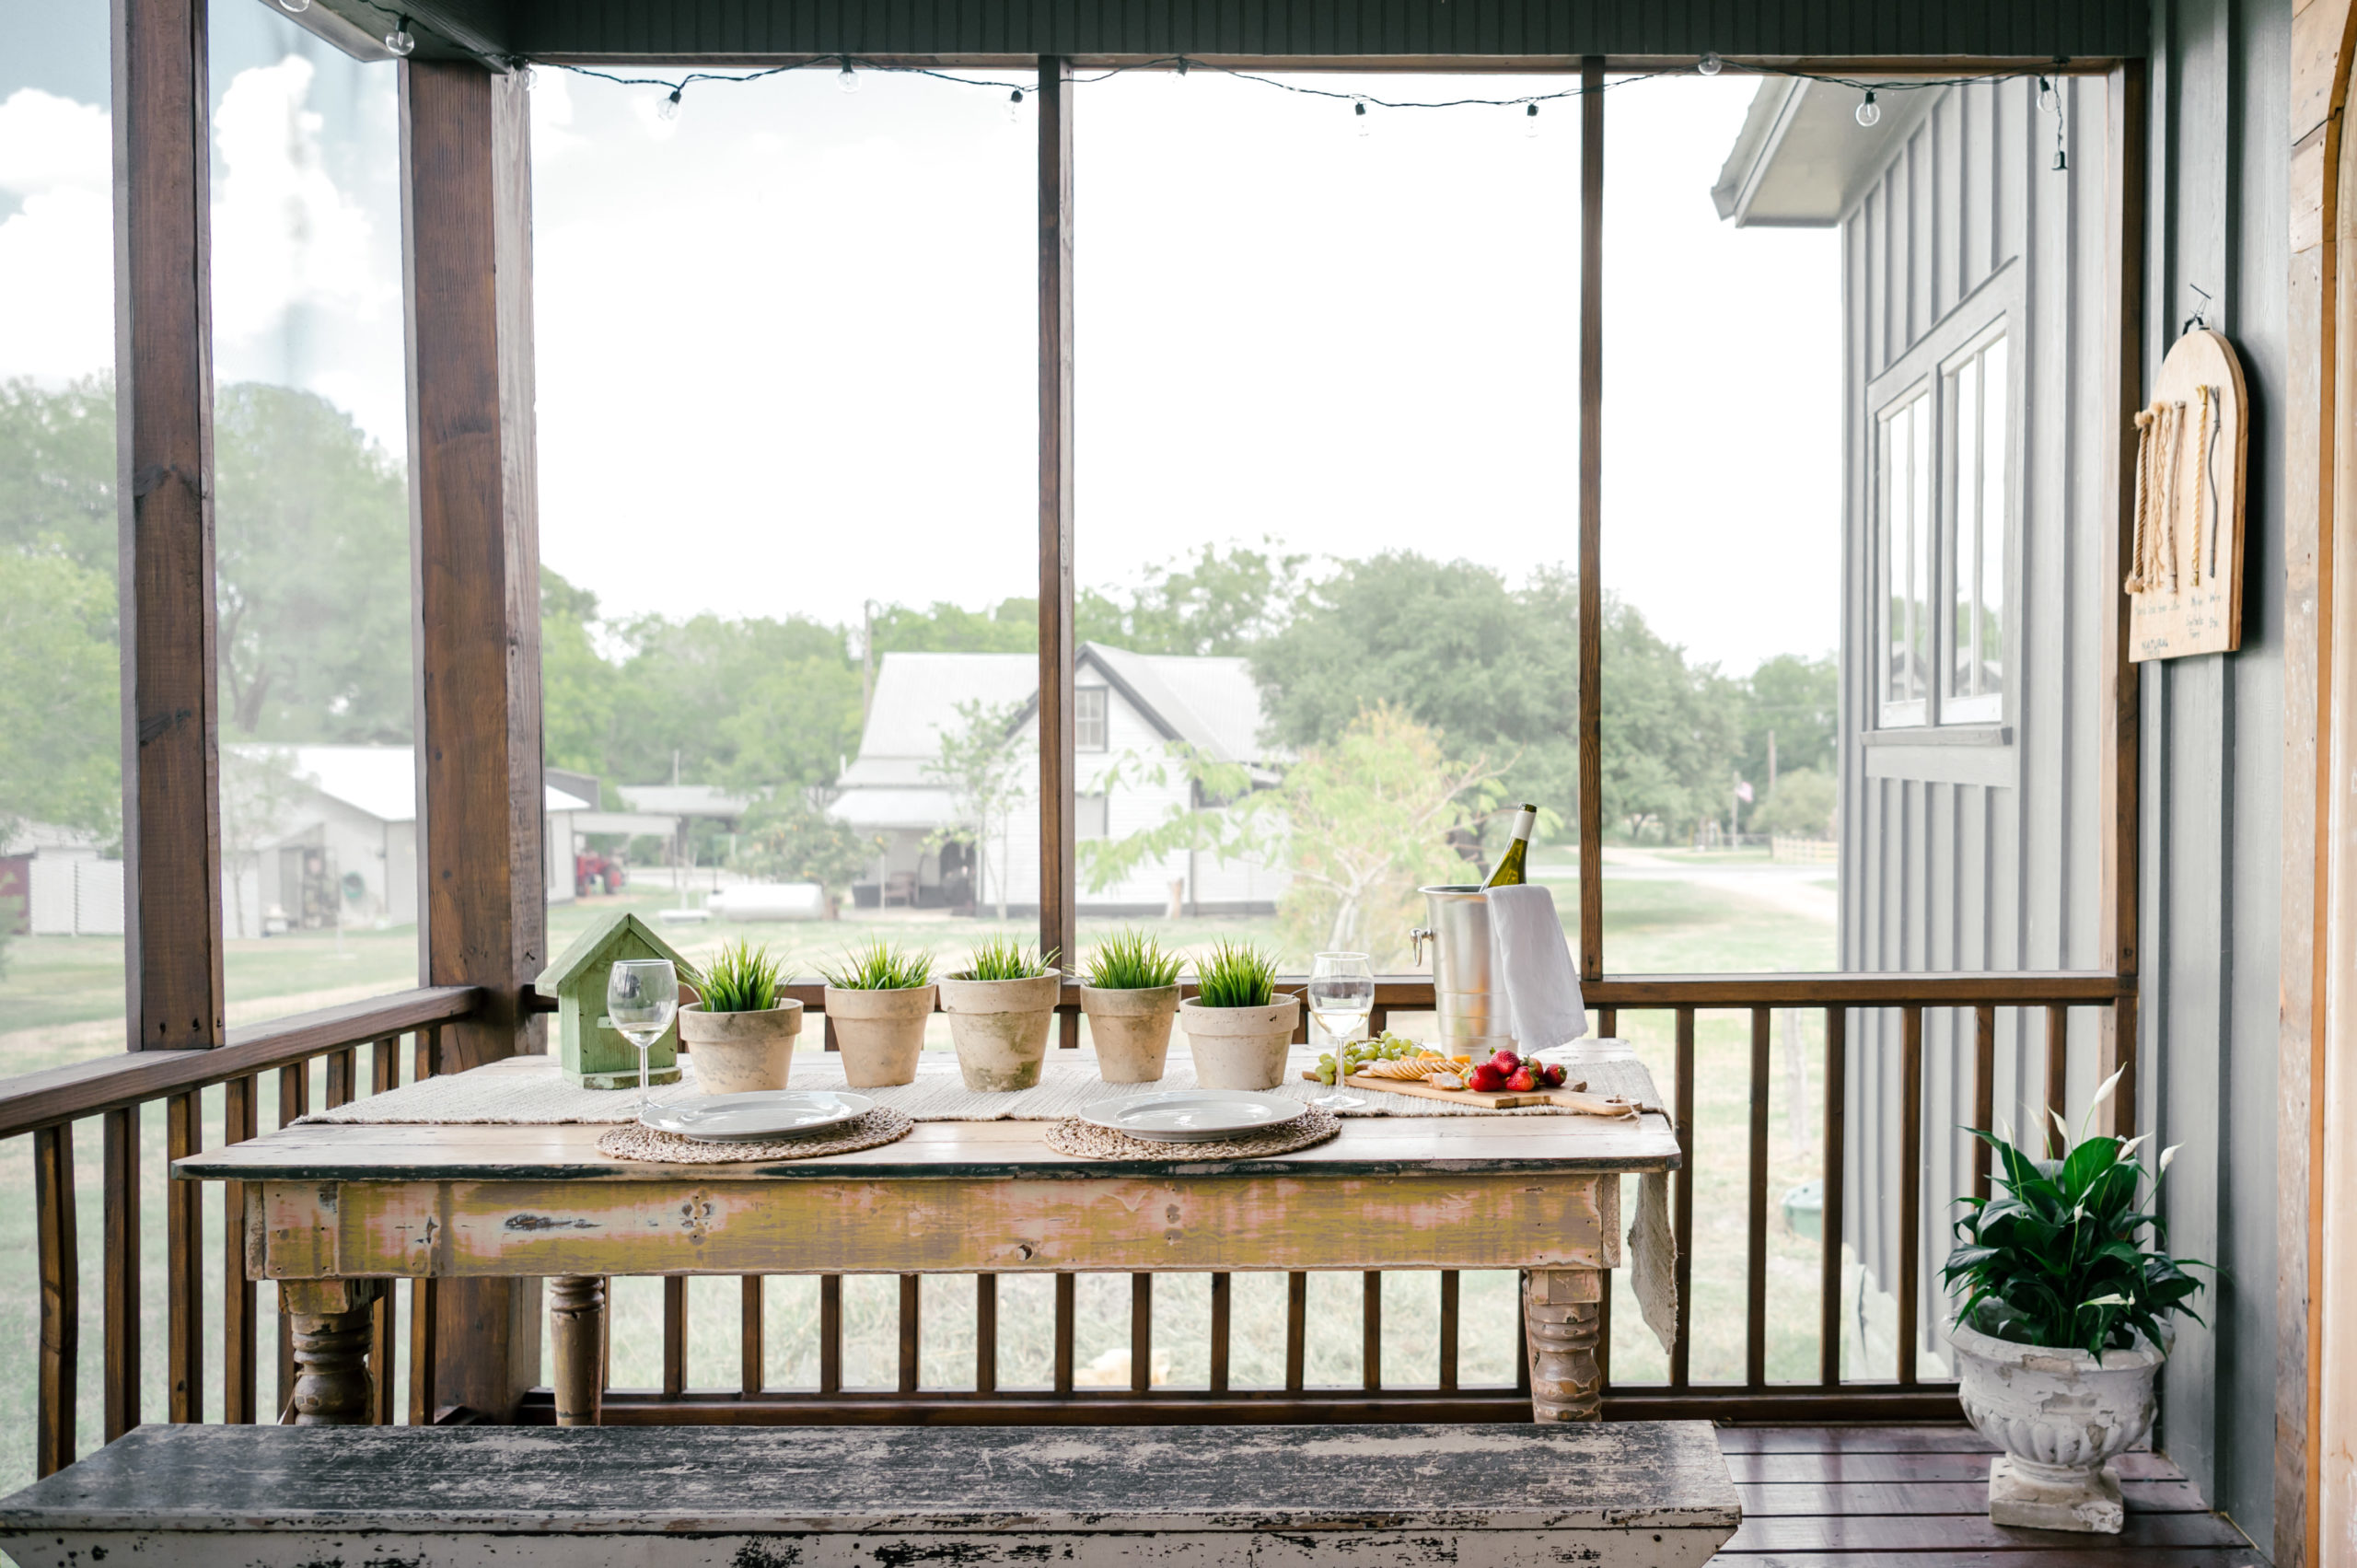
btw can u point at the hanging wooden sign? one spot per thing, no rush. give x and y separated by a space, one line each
2185 568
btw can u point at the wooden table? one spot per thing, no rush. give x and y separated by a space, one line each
333 1211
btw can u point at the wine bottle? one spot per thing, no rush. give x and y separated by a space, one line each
1510 871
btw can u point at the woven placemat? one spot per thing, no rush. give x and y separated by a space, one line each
633 1142
1073 1136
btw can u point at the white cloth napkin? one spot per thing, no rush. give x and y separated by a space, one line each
1532 964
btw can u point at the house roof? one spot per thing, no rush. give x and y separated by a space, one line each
683 800
587 950
380 781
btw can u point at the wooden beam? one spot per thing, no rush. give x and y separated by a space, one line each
171 798
1591 583
1058 928
466 184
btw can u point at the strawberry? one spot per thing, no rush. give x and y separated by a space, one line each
1505 1062
1555 1074
1522 1081
1488 1079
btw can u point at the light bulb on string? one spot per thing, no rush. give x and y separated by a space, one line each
1869 112
293 8
1366 121
531 77
1530 120
1178 69
1708 65
847 78
1015 106
2049 101
398 41
669 108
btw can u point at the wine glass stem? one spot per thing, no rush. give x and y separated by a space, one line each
642 1074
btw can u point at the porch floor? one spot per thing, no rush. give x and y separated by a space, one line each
1918 1498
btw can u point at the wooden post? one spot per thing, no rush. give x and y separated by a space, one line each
465 181
171 798
1591 583
1058 928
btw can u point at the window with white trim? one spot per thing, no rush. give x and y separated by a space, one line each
1088 718
1977 388
1905 547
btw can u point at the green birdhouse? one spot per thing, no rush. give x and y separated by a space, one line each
593 1054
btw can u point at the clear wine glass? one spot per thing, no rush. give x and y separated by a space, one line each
1341 994
641 995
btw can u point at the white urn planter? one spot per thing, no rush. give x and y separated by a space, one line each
880 1033
2060 1419
999 1027
736 1053
1240 1048
1130 1030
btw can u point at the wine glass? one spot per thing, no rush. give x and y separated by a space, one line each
1341 994
641 995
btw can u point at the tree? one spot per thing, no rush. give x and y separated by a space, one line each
1797 699
1013 627
57 470
1669 739
259 791
788 839
577 685
60 705
1803 803
981 763
1211 602
752 704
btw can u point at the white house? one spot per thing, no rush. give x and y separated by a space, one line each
1130 710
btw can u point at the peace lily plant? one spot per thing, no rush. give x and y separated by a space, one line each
2064 1320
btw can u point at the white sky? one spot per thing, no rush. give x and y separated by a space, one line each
786 343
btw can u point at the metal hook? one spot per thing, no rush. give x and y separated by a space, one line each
2200 317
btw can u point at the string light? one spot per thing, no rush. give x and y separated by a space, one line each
669 108
1015 106
1708 65
2050 100
293 8
847 78
398 41
1530 120
1869 112
1366 122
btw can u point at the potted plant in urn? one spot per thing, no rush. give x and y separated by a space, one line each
1131 997
878 1000
1237 1027
739 1033
2064 1324
1000 1007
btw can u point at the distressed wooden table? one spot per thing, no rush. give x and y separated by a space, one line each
334 1211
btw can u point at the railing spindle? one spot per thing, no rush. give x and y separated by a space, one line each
675 1333
985 1333
1377 1021
1984 1090
239 1121
831 1333
1221 1287
342 1086
384 1073
1297 1330
1681 1350
1067 1328
60 1298
183 1275
1371 1321
1830 1217
384 1064
750 1353
423 1298
121 1159
1140 1333
1911 1187
293 1103
1448 1328
1068 1030
1755 1295
1608 1022
911 1301
2058 1074
2123 1041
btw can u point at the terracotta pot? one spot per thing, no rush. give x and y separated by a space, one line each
2060 1418
1240 1048
999 1027
737 1053
880 1033
1132 1030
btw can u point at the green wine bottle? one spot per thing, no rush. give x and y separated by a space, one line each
1510 871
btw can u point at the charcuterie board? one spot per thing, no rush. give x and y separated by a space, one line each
1570 1099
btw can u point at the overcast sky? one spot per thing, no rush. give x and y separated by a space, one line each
786 342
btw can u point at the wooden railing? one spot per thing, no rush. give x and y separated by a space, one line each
47 1105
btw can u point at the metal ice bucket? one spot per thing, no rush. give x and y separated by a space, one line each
1472 1015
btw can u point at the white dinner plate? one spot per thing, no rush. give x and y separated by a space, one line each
764 1113
1193 1116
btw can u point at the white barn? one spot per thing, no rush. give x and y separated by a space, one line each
1128 708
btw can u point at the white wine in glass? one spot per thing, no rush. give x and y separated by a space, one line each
1342 995
641 995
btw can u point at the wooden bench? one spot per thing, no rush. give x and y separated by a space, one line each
1654 1494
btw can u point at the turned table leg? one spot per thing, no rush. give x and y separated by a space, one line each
1563 1322
576 1322
331 1327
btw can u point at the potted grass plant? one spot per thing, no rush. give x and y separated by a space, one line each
2064 1324
740 1034
1000 1007
878 999
1130 995
1238 1027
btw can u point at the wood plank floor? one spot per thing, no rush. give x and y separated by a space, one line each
1918 1498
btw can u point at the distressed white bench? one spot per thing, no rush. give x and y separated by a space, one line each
1651 1494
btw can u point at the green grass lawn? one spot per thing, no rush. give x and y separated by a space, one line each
63 997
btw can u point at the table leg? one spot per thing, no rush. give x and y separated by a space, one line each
332 1328
576 1319
1562 1320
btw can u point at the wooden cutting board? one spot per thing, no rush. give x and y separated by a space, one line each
1504 1099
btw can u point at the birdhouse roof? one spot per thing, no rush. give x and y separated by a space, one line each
618 935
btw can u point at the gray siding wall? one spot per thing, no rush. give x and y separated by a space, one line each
1989 859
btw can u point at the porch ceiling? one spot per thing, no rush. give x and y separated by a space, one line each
1013 31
